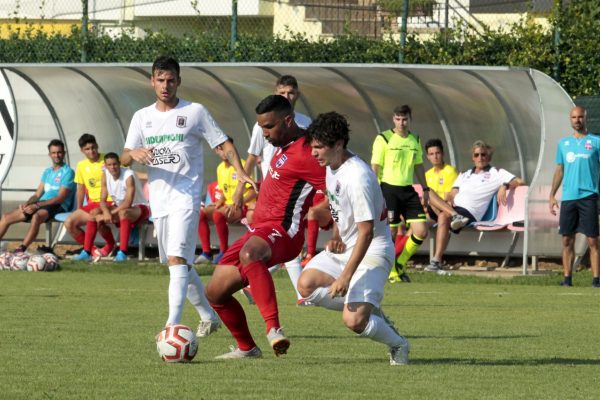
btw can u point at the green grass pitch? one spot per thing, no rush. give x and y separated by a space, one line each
87 332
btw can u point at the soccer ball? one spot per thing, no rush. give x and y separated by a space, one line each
51 261
5 259
36 263
19 262
176 343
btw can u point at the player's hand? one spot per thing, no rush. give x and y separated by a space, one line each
245 178
143 155
335 246
339 287
29 208
553 205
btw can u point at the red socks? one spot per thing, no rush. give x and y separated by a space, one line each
91 227
124 231
233 316
263 291
400 243
312 233
222 230
204 233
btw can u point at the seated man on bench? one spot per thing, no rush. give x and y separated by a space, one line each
54 195
471 195
127 209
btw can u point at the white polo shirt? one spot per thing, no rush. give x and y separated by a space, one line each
475 191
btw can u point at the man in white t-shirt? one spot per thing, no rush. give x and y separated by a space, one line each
350 275
471 195
127 209
167 137
260 148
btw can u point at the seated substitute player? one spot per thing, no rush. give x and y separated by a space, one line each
276 234
53 195
222 211
88 176
128 208
350 275
440 176
471 195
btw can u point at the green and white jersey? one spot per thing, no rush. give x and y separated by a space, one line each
175 137
397 157
354 196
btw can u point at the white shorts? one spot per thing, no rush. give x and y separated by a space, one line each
177 235
368 281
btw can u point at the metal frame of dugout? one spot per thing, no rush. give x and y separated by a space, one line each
521 112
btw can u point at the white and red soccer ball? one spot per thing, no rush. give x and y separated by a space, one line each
5 260
51 261
36 263
19 262
177 344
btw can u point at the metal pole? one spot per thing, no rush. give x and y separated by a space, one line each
556 68
84 30
403 31
234 28
446 20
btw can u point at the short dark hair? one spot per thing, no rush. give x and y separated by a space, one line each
276 103
56 143
85 139
112 155
287 80
403 110
328 128
166 63
434 143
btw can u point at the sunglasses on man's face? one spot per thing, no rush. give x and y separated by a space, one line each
482 155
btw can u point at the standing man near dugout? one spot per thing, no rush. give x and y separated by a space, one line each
276 234
350 275
167 137
578 168
397 157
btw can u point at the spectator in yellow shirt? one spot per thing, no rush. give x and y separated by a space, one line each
221 212
88 177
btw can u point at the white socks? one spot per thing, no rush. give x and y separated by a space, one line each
378 330
294 269
196 296
178 285
320 297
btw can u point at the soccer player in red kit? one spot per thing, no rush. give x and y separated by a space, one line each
276 234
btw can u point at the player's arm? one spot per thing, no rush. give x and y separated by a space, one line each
31 206
62 195
80 195
339 288
106 216
141 155
420 175
505 187
251 195
251 163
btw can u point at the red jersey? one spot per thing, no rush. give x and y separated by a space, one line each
287 191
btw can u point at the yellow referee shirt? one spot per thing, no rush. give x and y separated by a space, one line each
397 157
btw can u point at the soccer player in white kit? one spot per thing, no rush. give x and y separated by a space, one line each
167 137
351 273
286 86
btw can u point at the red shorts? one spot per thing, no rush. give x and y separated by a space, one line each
144 216
283 248
91 206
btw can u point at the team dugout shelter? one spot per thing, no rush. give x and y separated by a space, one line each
521 112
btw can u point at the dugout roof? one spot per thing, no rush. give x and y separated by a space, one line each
521 112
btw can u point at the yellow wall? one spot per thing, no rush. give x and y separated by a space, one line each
9 26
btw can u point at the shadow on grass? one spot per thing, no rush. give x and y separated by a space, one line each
508 337
526 362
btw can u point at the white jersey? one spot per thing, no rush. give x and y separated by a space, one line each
355 196
475 191
117 188
260 147
175 176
